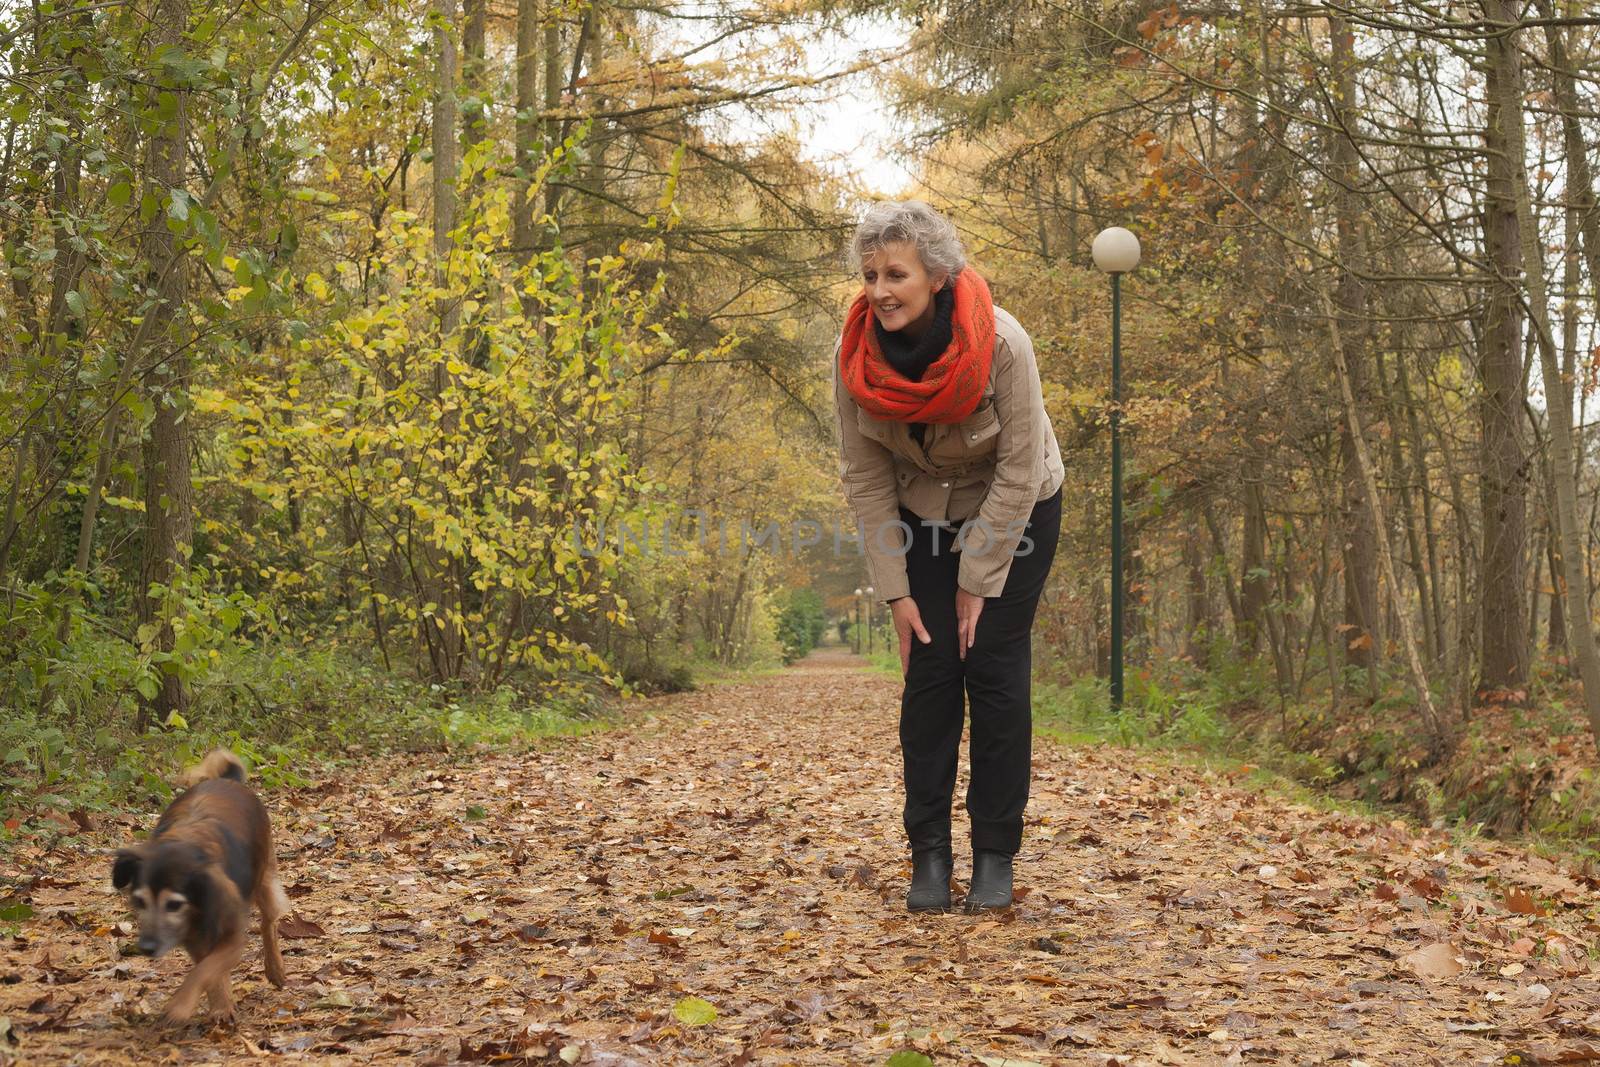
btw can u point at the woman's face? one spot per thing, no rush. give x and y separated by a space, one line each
899 287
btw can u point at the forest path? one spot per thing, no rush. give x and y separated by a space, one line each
741 845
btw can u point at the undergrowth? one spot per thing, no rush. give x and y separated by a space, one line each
1505 769
291 714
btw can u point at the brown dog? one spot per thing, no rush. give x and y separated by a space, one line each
193 881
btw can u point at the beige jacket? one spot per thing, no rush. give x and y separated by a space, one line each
985 473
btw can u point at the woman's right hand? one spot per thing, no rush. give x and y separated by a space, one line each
907 621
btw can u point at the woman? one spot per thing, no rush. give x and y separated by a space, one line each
952 468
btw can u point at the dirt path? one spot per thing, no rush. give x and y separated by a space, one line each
742 846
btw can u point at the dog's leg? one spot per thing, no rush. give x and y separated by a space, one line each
221 998
209 971
271 903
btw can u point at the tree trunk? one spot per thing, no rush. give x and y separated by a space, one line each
1361 613
1502 482
1255 587
1419 676
552 100
1135 605
1556 629
1197 623
474 102
1506 63
442 639
445 161
1580 189
168 495
1419 462
1220 543
527 133
1408 516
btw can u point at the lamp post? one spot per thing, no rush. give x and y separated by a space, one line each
1116 251
871 610
856 636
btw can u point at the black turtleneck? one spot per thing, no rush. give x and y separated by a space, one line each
913 358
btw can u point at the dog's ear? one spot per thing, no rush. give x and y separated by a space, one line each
125 868
201 892
197 887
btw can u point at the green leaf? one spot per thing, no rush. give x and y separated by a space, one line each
178 205
76 305
16 911
906 1058
119 194
692 1011
147 687
176 721
476 812
668 894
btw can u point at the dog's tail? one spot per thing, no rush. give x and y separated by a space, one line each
219 763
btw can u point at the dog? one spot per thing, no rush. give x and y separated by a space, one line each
192 883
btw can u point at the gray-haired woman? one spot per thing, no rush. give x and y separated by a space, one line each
952 468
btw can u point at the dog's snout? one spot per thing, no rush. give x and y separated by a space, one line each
148 945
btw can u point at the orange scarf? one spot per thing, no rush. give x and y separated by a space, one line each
951 386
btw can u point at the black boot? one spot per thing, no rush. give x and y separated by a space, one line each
930 880
991 881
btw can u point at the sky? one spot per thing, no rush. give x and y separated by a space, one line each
845 126
852 129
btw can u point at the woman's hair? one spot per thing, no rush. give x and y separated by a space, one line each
930 233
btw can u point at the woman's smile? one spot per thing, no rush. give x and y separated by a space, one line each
900 288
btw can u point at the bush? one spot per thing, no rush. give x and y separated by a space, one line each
285 710
800 623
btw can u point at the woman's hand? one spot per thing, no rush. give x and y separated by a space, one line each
907 621
968 607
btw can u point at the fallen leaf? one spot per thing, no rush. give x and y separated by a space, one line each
293 926
1434 962
1521 902
1427 888
908 1058
692 1011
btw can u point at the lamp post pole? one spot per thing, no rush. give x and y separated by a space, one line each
856 634
1116 251
871 609
1116 492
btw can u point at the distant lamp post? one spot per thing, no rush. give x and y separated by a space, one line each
856 635
872 610
1116 251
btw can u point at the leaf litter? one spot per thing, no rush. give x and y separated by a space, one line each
720 882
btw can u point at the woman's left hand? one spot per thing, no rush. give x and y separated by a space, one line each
968 607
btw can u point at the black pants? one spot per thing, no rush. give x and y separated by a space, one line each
996 677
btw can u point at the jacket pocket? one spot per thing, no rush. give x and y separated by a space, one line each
876 429
979 429
970 441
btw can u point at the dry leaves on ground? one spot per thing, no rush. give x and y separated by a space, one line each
722 884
